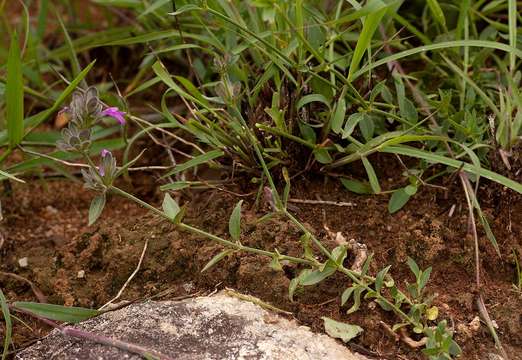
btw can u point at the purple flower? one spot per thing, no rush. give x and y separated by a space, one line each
101 171
105 152
115 113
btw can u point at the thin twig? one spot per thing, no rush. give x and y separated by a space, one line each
36 291
130 277
321 202
81 165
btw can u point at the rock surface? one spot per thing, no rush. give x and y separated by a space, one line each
204 328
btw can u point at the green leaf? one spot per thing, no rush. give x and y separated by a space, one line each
437 12
441 45
413 267
234 223
8 324
339 330
398 199
408 110
351 123
338 116
346 295
178 185
322 155
357 187
457 164
198 160
217 259
316 276
356 300
294 283
424 278
367 127
14 94
371 22
307 99
372 177
97 205
57 312
170 207
379 279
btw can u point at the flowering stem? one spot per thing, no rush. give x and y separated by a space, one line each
208 235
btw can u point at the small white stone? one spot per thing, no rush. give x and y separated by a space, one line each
81 274
23 262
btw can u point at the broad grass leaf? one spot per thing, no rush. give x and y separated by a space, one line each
340 330
371 22
57 312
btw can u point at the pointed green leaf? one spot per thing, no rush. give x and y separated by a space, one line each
338 116
398 199
371 22
357 187
437 12
372 177
234 223
97 205
322 155
217 259
413 266
57 312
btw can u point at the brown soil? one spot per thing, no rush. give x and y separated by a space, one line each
46 222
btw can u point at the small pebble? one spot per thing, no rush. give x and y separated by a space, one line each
23 262
81 274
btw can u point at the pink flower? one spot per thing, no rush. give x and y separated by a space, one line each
105 152
115 113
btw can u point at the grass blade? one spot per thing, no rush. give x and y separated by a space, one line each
198 160
14 94
437 46
57 312
435 158
8 324
371 22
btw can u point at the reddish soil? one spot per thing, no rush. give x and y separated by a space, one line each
46 222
